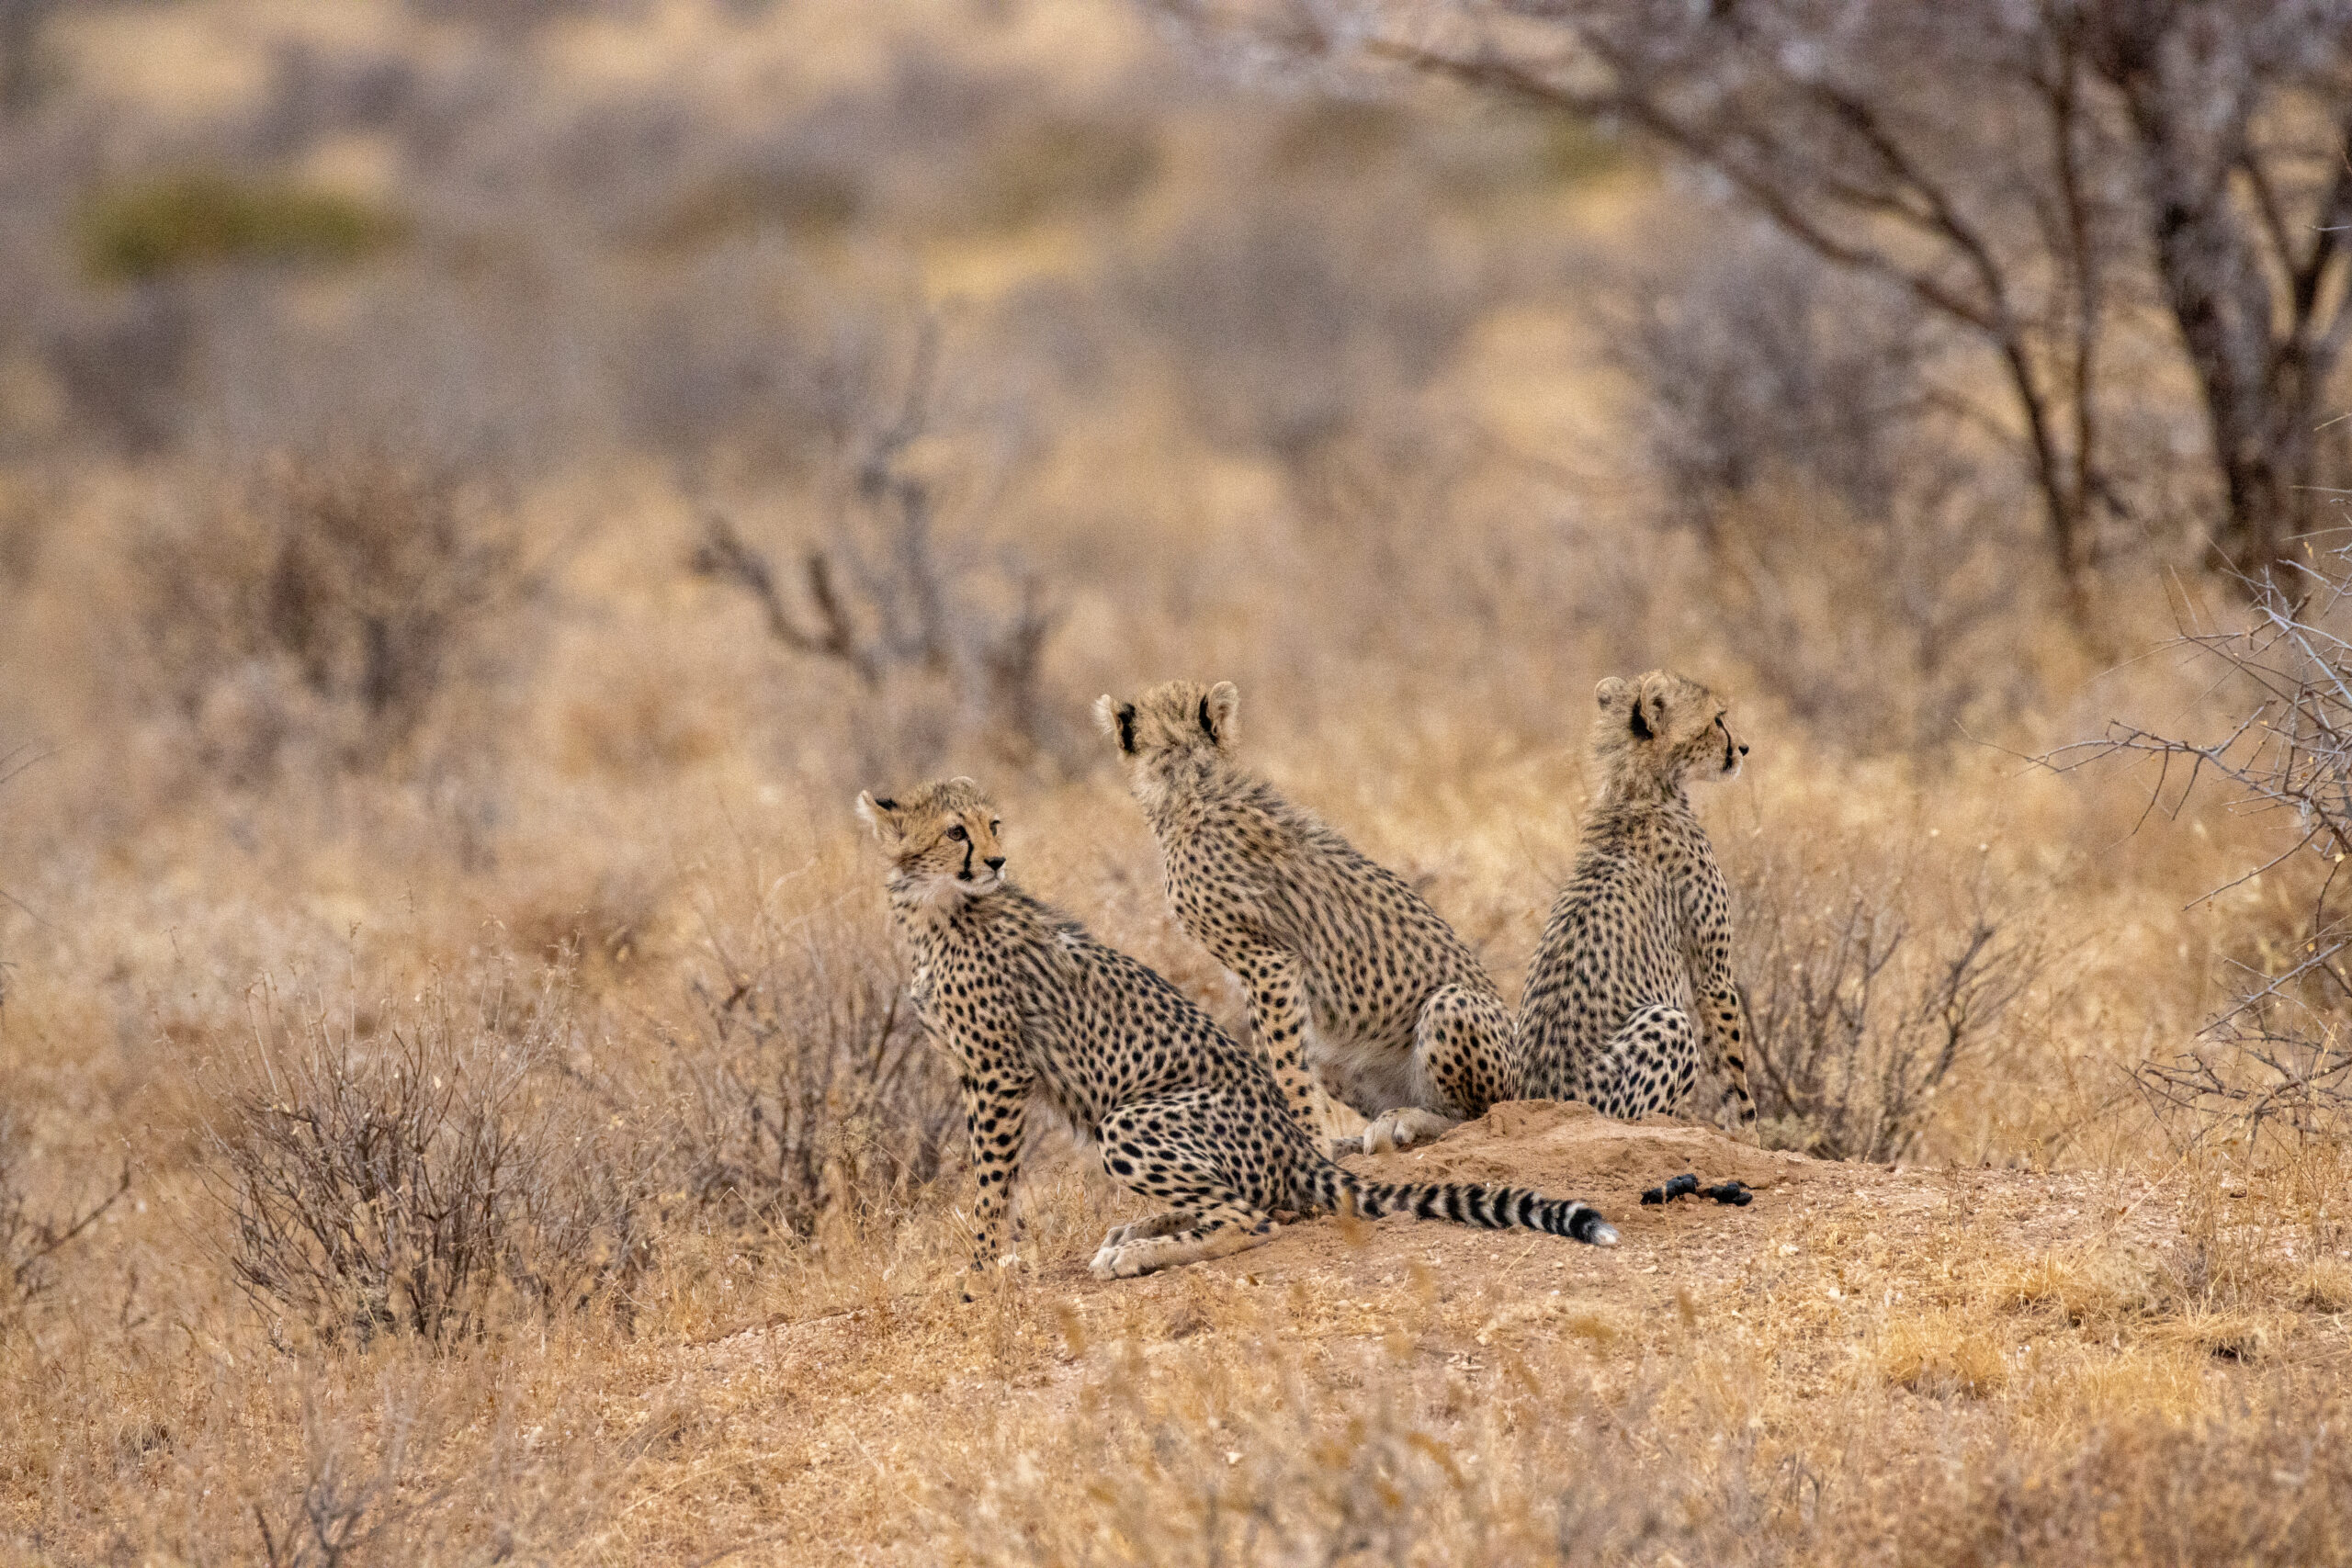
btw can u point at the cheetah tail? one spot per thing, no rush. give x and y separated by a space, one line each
1463 1203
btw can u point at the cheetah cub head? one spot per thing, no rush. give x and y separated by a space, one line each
1172 735
1658 731
941 840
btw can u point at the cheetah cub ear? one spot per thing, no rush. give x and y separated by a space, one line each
882 816
1650 695
1615 690
1218 710
1116 719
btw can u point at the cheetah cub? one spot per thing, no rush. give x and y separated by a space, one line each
1406 1026
1029 1004
1641 936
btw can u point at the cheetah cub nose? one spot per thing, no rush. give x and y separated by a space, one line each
1742 748
996 863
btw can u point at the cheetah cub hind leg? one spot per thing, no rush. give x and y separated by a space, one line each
1400 1129
1652 1063
1219 1232
1460 1042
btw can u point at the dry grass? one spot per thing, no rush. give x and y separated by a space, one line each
444 898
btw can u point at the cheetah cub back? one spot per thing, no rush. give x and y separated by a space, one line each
1028 1004
1356 986
1638 943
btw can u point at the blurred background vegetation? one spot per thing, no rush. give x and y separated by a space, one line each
483 484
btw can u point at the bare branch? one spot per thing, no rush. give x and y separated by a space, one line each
724 554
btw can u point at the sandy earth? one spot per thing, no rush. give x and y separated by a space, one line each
834 1414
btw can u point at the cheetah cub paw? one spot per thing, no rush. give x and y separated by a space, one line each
1405 1127
1120 1260
1120 1239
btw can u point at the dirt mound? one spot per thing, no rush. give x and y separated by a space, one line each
1560 1149
1572 1151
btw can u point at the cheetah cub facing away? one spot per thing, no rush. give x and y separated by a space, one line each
1406 1026
1641 936
1029 1004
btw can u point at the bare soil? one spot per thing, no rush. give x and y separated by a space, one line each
1811 1268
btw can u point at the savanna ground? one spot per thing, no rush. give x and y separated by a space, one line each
481 488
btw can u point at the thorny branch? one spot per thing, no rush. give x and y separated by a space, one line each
898 612
28 1244
2281 1054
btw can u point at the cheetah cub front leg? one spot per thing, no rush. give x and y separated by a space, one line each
1219 1232
1118 1237
1279 1019
1724 1009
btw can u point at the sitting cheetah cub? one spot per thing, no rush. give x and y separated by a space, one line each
1408 1029
1029 1004
1642 932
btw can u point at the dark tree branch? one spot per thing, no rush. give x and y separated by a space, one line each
1784 185
724 554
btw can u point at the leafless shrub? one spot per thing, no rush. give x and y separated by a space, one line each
888 601
29 1246
409 1182
336 603
416 1476
123 364
1862 1010
350 1499
1760 361
2280 1056
810 1085
1285 319
1867 566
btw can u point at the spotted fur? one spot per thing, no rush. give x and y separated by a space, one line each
1355 983
1640 939
1030 1005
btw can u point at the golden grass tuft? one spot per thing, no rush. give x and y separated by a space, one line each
2325 1285
1943 1354
2098 1287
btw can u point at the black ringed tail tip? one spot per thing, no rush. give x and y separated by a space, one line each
1488 1208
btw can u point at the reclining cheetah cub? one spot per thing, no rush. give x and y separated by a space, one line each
1408 1029
1642 932
1028 1003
